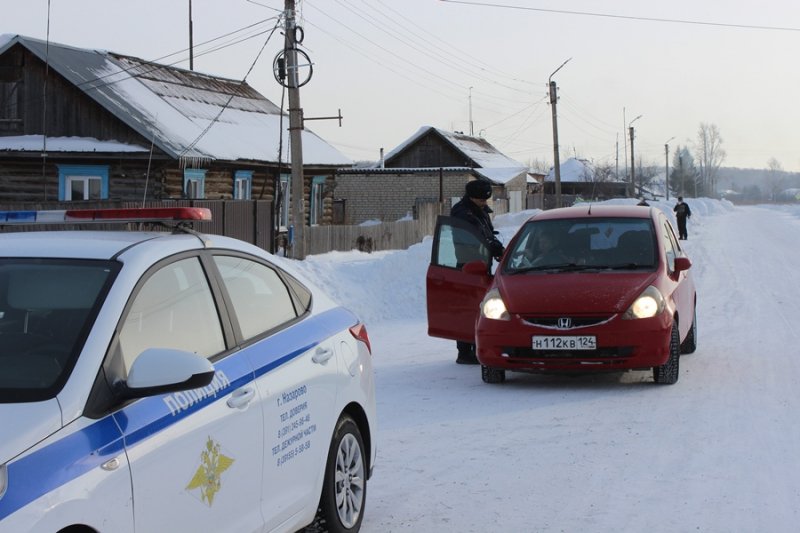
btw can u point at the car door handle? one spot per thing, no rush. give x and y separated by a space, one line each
240 398
321 355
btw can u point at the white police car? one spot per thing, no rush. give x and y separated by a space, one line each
155 381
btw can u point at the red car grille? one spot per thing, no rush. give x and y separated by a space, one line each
600 353
576 322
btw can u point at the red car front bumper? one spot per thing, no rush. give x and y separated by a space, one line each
621 345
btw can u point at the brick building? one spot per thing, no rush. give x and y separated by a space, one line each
432 165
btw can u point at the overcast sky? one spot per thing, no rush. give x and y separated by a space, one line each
392 67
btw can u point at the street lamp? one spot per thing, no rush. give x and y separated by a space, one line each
633 171
666 161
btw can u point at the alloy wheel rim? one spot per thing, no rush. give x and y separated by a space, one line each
349 481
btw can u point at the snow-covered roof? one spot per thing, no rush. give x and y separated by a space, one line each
573 170
32 143
488 161
188 115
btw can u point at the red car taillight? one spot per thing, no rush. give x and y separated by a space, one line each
359 331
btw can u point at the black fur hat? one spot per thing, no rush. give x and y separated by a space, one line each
479 189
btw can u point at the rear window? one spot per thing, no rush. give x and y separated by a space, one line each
46 311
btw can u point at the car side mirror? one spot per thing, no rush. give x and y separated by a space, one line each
682 263
477 267
162 370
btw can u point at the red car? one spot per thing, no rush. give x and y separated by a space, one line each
579 289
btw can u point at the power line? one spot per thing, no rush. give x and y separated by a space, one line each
481 64
153 65
626 17
447 61
244 79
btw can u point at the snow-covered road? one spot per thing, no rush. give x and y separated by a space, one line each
719 451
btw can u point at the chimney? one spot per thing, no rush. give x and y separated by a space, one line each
382 166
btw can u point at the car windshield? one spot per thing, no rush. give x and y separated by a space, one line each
46 310
583 245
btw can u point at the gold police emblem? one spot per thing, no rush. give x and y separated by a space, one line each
208 477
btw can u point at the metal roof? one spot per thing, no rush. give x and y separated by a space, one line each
189 115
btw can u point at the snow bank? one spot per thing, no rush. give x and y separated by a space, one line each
390 285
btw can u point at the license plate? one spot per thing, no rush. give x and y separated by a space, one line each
563 342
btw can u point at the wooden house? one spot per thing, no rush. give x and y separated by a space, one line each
79 124
433 165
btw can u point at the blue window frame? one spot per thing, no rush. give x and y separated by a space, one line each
317 197
286 180
82 182
194 183
242 185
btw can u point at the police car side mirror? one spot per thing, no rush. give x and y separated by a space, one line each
162 370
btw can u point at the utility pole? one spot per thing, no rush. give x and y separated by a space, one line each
633 170
625 142
191 39
556 160
666 161
471 134
295 137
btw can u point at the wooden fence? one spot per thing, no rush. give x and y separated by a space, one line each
251 221
397 235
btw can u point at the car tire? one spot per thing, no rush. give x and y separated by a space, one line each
667 374
689 344
344 489
492 375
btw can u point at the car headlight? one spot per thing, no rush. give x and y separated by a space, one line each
493 306
3 480
647 305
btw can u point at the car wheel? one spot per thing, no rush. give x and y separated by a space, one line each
668 372
344 489
689 344
492 375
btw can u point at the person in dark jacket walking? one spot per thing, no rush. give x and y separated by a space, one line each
473 208
682 212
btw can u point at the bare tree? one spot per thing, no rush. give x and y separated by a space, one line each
646 174
774 178
710 155
604 171
540 166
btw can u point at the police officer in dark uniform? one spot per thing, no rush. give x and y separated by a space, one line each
473 208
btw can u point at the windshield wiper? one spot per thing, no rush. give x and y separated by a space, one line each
625 266
565 267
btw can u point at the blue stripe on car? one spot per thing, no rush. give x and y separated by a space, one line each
66 459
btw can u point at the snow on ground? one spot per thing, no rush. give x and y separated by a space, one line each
716 452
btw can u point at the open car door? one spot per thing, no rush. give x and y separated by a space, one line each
454 295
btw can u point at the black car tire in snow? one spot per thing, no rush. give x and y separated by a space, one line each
689 344
344 489
667 373
492 375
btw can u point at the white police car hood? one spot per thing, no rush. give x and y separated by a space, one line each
22 425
